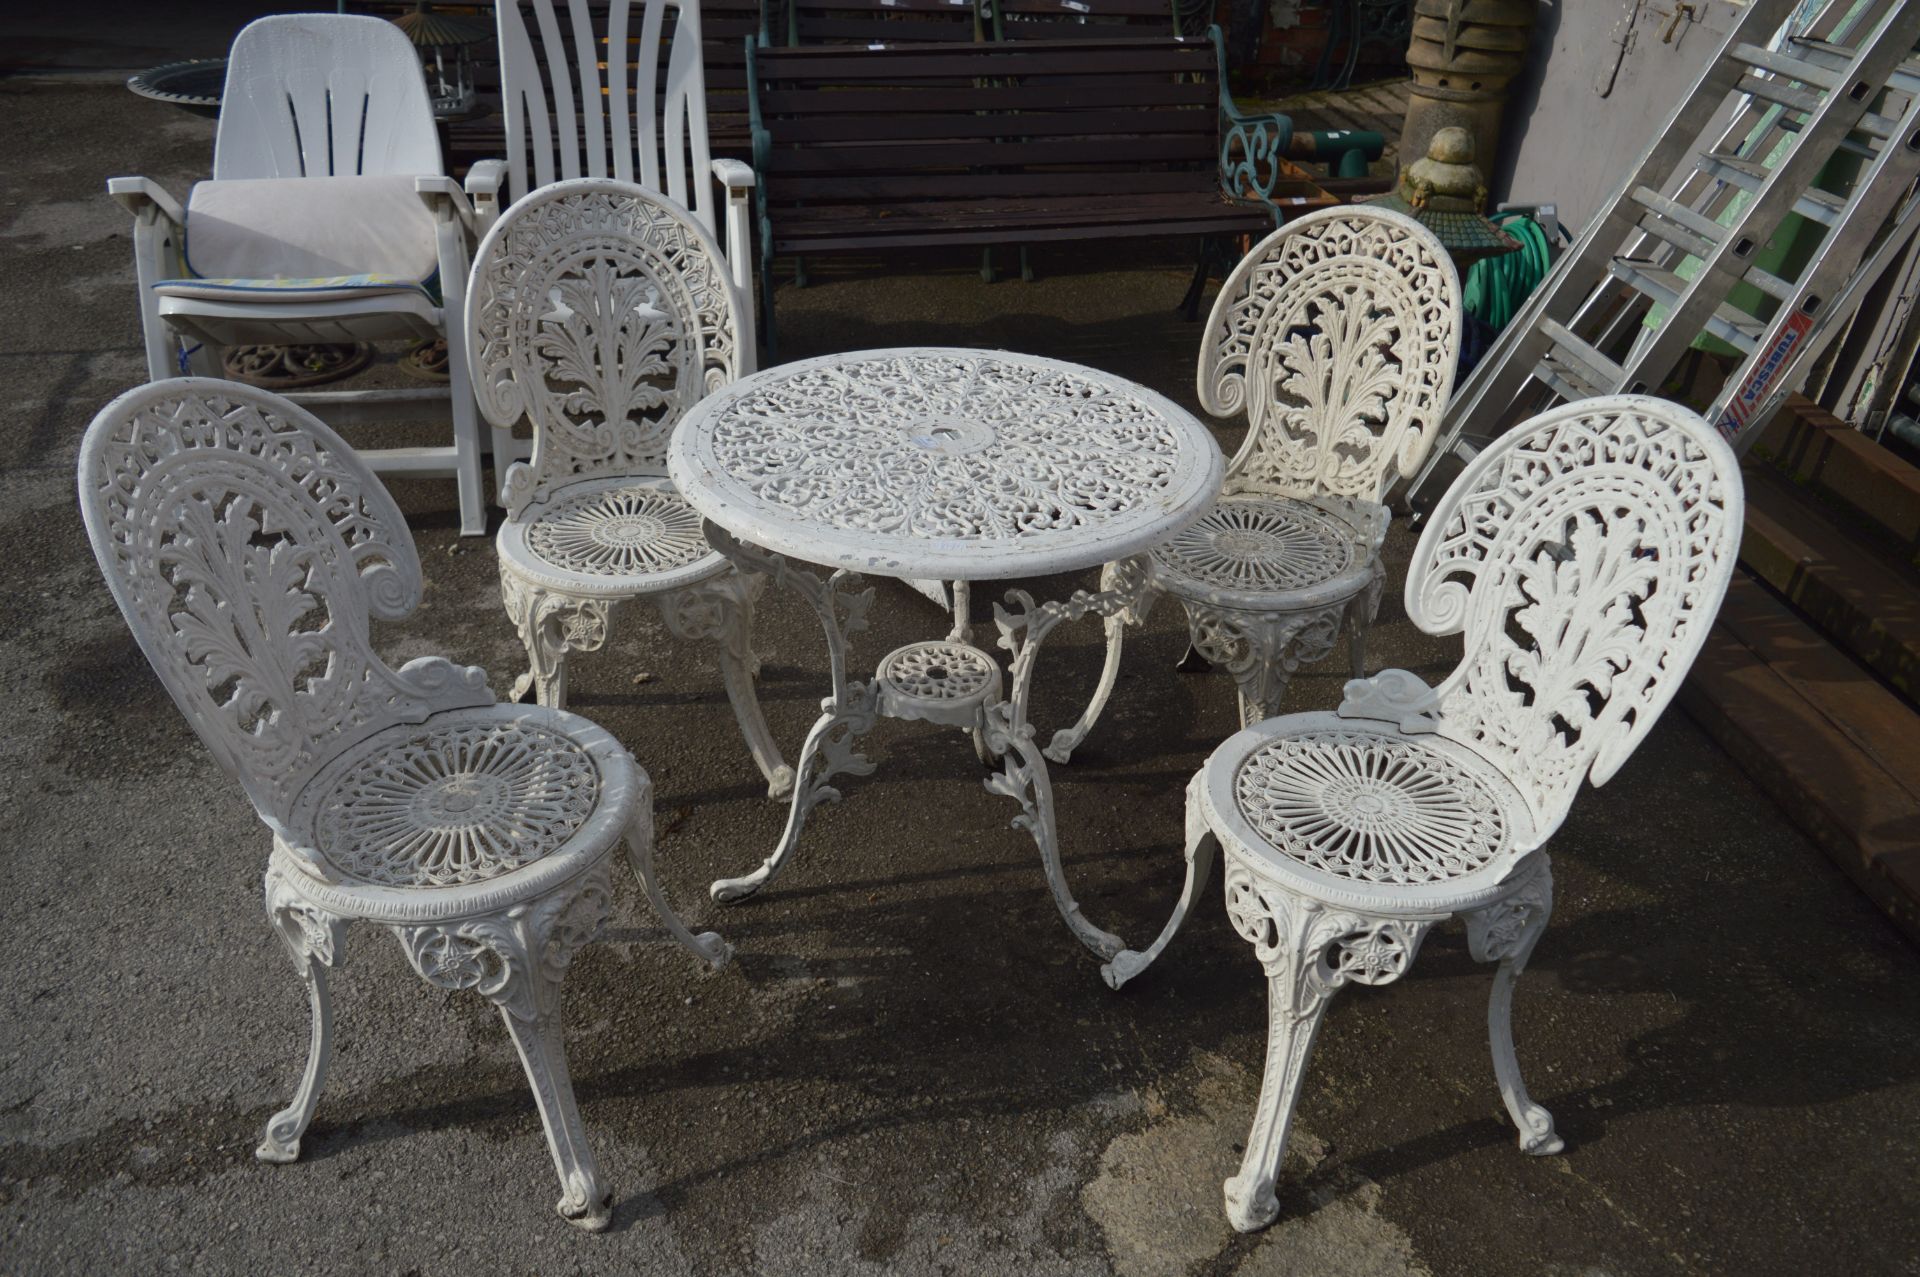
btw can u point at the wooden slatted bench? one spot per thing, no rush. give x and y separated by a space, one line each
875 149
880 21
1096 19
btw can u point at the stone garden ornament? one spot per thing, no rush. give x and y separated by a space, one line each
248 548
600 312
1582 558
1337 336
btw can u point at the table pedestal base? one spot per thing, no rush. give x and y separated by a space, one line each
949 682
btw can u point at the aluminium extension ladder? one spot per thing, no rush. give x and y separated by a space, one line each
1778 116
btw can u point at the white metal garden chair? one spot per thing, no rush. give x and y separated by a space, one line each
583 93
248 547
1337 336
328 219
1583 556
600 312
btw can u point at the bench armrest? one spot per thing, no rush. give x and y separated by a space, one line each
740 183
484 181
1253 148
1253 153
143 195
444 196
735 175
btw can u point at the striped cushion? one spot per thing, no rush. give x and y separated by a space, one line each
307 239
328 288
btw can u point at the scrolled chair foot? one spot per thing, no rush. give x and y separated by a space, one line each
1060 748
1125 965
280 1145
586 1206
730 890
780 783
1251 1203
1537 1136
713 949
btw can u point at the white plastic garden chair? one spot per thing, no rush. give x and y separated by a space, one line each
600 312
248 547
328 219
1583 556
1337 335
582 92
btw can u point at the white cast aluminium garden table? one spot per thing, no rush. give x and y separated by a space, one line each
961 465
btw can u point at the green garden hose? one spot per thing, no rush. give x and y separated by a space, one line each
1498 286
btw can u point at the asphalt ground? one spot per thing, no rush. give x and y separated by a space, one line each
910 1067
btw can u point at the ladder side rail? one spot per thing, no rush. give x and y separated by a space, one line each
1584 266
1763 23
1885 49
1906 225
1796 338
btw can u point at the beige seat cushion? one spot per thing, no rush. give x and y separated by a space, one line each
307 237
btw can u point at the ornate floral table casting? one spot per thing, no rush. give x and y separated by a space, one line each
961 465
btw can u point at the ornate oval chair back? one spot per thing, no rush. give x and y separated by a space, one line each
601 312
1337 335
247 548
1584 555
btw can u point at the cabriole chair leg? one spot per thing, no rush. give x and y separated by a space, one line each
551 627
707 946
1360 615
720 611
315 942
1068 739
1506 933
1308 951
517 959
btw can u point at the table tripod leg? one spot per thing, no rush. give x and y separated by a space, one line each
845 716
1024 776
829 752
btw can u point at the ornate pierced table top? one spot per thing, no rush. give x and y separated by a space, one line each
956 464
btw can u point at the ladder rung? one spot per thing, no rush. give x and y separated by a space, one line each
1662 287
1839 57
1690 229
1678 236
1851 145
1770 284
1575 355
1801 69
1820 206
1808 102
1558 379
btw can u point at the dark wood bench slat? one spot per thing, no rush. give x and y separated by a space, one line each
852 66
988 50
894 100
1069 15
902 219
880 158
853 31
889 128
1100 137
990 236
935 185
